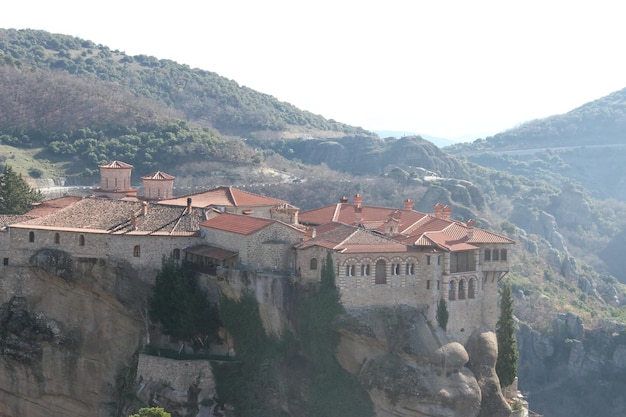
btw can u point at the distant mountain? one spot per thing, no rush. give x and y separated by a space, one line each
440 142
600 122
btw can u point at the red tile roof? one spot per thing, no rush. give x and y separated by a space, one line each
116 164
224 196
351 239
159 176
237 223
414 228
50 206
103 215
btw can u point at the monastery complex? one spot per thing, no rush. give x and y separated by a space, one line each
382 256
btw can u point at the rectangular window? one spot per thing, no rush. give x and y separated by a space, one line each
5 261
487 255
438 284
503 255
495 255
427 259
428 284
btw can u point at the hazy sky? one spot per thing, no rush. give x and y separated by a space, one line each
441 68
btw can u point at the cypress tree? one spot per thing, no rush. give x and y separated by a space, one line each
442 313
506 366
15 193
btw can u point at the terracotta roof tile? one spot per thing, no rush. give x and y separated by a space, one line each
120 217
237 223
116 164
224 196
9 219
159 176
50 206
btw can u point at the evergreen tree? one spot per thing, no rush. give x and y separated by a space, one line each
442 313
506 366
16 196
182 308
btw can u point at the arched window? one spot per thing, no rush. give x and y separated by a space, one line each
350 270
176 254
410 268
31 236
81 240
57 238
381 272
471 290
365 270
313 264
462 289
137 251
452 290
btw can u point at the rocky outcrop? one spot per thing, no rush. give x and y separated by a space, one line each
68 338
571 371
411 369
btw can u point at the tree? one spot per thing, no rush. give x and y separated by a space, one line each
16 196
442 313
180 305
506 366
152 412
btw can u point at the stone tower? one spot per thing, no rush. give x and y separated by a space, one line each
115 180
158 186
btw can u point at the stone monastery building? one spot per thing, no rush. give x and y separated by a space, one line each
381 255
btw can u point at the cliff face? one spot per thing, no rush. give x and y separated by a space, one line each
68 337
411 369
408 367
573 372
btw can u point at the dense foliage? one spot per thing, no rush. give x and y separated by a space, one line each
248 382
201 96
334 392
506 365
151 412
180 305
16 196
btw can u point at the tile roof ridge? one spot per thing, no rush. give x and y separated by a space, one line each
347 238
336 212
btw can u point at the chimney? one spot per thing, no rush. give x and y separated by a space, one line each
438 210
358 200
343 199
470 228
358 213
144 208
408 204
133 221
188 204
314 233
445 212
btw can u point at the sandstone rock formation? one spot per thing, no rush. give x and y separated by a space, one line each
411 369
68 342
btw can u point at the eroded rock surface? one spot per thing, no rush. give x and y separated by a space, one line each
412 369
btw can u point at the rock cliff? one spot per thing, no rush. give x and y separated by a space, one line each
572 371
69 334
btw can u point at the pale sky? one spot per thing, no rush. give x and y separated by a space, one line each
450 69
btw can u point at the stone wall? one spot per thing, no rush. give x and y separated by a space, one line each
189 381
270 248
114 248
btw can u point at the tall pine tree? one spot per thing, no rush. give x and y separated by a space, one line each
506 366
16 196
